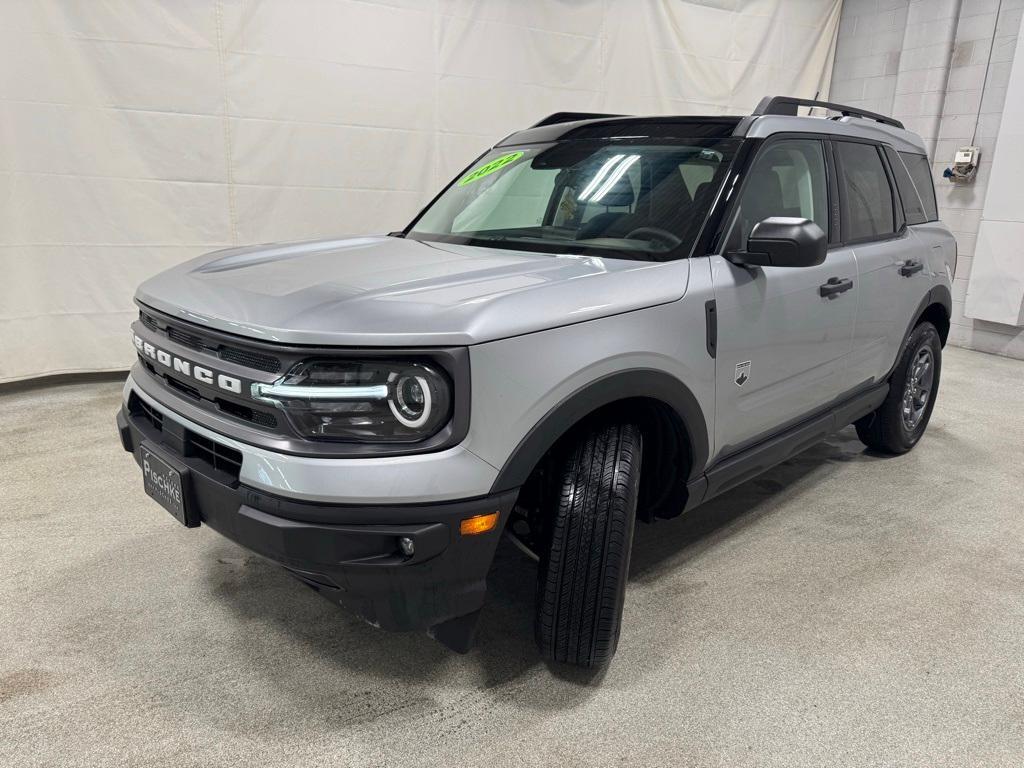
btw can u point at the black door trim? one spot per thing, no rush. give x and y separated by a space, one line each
711 326
747 463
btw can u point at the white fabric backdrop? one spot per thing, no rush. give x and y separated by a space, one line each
135 134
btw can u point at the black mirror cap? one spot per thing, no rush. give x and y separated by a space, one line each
783 241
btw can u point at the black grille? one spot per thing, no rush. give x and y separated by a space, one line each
210 452
235 410
183 388
186 339
218 456
149 321
201 342
250 359
245 413
139 407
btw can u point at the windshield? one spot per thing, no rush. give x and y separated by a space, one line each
622 199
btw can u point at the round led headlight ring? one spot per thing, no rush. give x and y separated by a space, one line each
410 401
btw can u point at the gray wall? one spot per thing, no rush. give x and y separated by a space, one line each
925 62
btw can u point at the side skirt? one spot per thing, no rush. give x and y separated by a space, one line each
733 470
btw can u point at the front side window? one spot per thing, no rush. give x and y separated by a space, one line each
617 198
786 179
867 196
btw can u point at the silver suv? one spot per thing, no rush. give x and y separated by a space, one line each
603 318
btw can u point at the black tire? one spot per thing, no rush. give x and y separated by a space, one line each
901 419
583 568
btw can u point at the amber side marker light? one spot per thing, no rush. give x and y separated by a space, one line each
472 526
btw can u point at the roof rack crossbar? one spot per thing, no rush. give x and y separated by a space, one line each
569 117
787 105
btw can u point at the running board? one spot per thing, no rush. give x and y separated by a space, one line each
750 462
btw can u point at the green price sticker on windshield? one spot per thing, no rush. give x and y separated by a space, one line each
486 170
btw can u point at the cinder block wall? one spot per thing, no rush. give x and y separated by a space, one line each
942 67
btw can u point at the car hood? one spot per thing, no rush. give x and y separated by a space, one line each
390 291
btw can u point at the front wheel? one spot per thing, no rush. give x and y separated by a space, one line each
583 568
901 419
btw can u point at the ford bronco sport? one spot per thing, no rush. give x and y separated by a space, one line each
601 319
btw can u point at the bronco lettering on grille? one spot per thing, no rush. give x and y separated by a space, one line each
187 367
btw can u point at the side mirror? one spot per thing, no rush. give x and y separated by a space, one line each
781 241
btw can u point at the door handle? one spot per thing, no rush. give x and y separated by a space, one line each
835 286
910 267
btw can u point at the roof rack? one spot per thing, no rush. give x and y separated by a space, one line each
569 117
787 105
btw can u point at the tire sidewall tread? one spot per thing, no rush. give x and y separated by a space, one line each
583 569
883 429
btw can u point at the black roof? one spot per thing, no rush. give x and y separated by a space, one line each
596 125
788 105
688 127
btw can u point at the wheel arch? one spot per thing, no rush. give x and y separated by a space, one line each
667 409
936 308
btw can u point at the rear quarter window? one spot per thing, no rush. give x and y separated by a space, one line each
921 172
913 208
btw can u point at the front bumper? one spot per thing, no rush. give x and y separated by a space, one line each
448 475
349 553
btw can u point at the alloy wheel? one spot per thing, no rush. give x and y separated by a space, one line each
918 389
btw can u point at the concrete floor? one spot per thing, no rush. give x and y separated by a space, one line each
844 610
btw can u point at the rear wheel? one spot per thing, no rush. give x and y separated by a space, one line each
584 565
901 419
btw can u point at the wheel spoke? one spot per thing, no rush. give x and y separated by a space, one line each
920 375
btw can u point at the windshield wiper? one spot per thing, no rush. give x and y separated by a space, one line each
530 238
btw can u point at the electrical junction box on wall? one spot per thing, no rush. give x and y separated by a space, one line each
965 165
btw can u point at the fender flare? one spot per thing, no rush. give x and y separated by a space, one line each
622 385
938 294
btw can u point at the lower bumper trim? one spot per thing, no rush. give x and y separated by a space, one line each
352 554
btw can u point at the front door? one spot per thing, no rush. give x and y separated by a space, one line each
782 345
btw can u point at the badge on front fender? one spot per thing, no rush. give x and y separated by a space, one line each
742 373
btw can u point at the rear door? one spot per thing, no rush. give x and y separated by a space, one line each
782 345
892 262
912 173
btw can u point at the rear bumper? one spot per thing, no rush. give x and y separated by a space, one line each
349 553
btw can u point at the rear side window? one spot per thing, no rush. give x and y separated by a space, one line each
921 172
913 208
867 196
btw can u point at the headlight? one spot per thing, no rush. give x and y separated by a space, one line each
365 401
